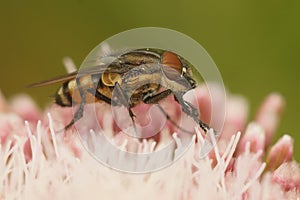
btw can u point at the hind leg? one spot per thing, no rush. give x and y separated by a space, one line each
79 113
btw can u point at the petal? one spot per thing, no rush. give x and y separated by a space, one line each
281 152
269 114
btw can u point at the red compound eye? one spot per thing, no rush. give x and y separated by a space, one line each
171 65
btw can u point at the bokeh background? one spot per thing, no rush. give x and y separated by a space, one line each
255 44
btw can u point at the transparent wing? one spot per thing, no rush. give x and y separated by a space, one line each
112 68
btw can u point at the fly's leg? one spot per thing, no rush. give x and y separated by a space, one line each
155 100
104 98
79 113
108 100
124 101
157 97
191 111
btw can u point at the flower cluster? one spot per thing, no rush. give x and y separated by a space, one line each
38 162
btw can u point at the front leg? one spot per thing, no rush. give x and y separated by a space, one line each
157 97
191 111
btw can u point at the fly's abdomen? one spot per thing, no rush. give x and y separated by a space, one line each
73 92
63 96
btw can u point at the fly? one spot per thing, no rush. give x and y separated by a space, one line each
159 73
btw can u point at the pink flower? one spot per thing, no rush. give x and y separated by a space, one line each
37 162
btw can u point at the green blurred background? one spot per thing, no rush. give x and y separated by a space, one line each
255 44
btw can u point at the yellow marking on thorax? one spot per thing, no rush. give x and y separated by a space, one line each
110 79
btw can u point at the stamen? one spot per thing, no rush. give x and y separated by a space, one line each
53 135
199 135
231 152
256 176
177 140
214 143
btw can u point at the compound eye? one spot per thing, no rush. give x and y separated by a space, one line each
171 65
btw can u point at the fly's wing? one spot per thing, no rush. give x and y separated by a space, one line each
58 79
112 68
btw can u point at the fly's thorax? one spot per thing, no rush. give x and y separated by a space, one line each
140 76
178 85
139 57
141 93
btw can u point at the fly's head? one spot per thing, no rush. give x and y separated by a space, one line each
188 75
179 71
